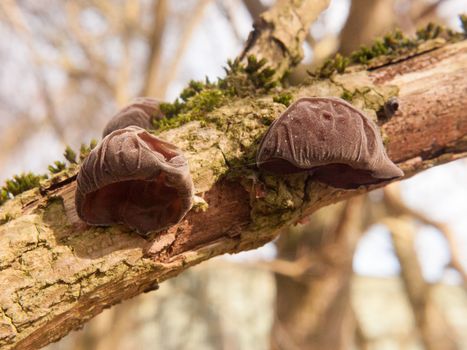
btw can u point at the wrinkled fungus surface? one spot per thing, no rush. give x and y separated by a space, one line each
141 112
329 137
136 179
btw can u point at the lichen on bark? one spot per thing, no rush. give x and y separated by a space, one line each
58 273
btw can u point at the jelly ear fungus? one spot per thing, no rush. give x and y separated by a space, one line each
332 139
141 112
136 179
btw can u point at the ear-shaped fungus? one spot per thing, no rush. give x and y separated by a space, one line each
338 143
141 112
136 179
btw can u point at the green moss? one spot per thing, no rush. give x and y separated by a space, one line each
391 46
285 98
283 195
23 182
336 64
70 155
19 184
4 196
86 149
170 109
347 95
194 108
57 167
259 73
431 31
463 19
200 98
5 218
194 87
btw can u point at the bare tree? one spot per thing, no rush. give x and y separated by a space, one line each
57 275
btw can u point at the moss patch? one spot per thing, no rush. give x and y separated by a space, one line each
18 184
199 98
285 98
463 19
389 47
58 170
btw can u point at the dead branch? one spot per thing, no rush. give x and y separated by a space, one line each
280 31
56 275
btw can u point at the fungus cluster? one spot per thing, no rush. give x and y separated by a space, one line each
133 177
140 113
331 139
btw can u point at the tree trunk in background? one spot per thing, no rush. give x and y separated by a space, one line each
314 309
367 20
435 332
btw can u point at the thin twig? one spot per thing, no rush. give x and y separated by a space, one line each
153 66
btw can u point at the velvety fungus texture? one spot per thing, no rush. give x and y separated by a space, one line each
330 138
136 179
141 112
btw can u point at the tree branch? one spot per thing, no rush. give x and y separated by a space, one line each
279 32
151 82
56 273
398 207
436 332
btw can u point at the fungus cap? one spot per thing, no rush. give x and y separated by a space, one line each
136 179
141 112
330 137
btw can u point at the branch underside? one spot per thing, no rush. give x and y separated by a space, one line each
57 273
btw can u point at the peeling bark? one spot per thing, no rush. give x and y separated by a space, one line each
56 273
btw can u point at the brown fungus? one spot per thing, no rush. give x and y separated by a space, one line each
330 138
136 179
141 112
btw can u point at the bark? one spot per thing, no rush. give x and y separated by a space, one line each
279 33
57 273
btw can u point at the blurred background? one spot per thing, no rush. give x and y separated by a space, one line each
382 271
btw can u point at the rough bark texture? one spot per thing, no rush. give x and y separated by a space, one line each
57 273
279 33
